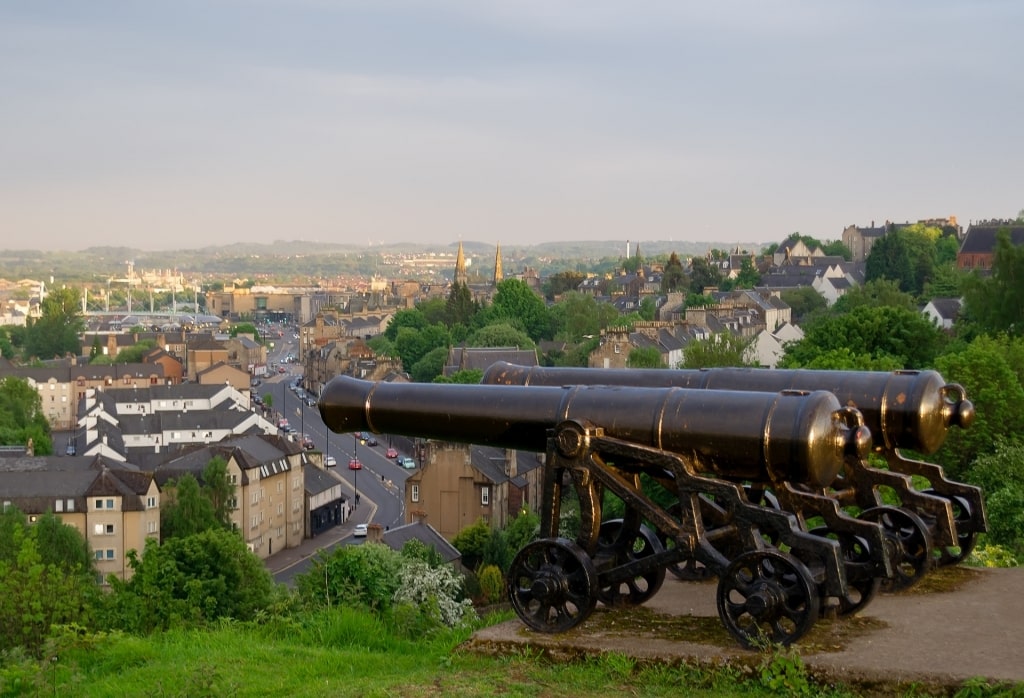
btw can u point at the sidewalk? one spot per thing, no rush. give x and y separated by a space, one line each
280 562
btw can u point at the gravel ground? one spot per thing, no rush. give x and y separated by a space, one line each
958 624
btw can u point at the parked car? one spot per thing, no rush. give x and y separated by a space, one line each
370 441
330 461
307 443
392 453
360 531
355 464
311 402
407 463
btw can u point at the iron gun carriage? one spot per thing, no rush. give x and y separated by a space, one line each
911 410
702 446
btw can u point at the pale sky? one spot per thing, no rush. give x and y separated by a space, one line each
179 124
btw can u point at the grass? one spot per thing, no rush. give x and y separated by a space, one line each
343 653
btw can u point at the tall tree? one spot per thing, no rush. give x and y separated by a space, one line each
185 510
22 417
516 302
56 332
218 488
460 307
702 275
673 278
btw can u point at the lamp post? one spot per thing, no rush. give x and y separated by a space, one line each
355 471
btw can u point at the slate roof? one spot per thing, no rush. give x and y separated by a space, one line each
317 480
34 483
981 237
397 537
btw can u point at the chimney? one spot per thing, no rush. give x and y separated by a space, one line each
375 533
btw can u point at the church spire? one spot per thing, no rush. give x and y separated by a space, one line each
460 267
499 275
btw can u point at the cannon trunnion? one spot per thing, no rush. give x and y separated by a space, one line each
708 448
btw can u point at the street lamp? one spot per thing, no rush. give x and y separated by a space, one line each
355 471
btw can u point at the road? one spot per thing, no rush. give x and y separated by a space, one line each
378 487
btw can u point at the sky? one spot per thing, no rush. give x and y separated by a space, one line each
179 124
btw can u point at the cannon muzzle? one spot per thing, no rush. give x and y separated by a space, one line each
796 436
902 409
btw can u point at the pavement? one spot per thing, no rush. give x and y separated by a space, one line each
281 562
962 623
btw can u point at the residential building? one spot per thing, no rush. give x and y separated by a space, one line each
456 485
114 505
977 251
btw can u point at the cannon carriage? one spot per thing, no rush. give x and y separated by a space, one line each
708 448
933 524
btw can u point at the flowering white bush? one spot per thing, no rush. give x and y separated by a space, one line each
435 591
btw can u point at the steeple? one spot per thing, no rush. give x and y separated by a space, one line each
499 275
460 267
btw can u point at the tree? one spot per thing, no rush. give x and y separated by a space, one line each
515 302
875 293
430 366
185 510
500 335
460 308
21 416
579 315
702 275
189 581
56 332
219 490
244 328
562 282
406 318
995 389
993 304
890 259
644 357
46 578
414 344
803 302
724 349
836 248
471 542
1002 480
904 335
673 278
648 308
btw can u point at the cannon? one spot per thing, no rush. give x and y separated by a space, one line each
910 410
703 446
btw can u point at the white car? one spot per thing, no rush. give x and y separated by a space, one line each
360 531
330 462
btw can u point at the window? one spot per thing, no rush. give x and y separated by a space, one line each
150 502
110 553
415 493
103 529
58 506
71 505
485 495
104 503
151 527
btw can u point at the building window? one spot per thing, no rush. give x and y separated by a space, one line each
104 503
103 529
150 502
485 495
415 493
58 506
71 505
151 527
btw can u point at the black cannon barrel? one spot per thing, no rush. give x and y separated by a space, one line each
903 409
797 436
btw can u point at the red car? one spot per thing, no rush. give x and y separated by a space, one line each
354 464
392 453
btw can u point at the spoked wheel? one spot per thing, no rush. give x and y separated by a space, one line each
909 542
767 596
862 585
616 541
552 585
962 515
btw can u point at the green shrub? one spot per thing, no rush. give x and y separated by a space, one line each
492 584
